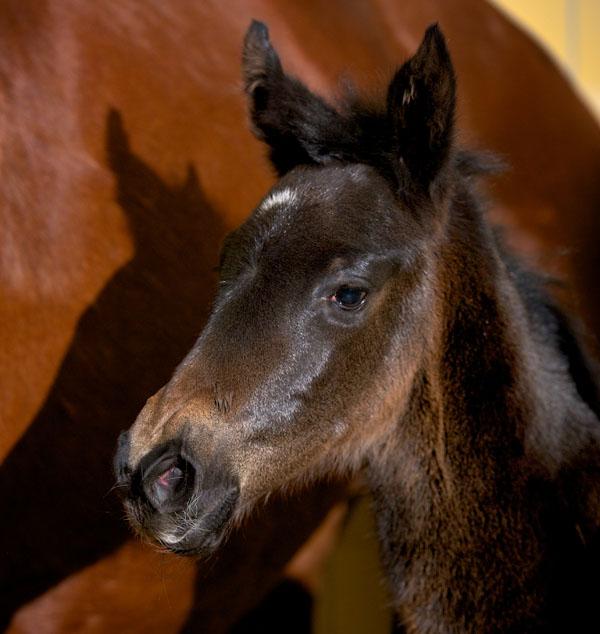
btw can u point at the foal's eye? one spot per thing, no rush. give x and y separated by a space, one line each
350 298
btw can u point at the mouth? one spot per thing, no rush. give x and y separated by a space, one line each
180 503
198 529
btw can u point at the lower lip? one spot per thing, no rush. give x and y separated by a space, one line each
211 522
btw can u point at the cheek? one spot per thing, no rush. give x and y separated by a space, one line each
373 373
328 391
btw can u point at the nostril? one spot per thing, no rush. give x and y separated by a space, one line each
169 484
171 477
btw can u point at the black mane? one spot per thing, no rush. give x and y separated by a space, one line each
557 328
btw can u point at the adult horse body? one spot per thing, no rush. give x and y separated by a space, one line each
117 122
368 320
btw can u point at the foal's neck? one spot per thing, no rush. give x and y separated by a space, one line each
474 535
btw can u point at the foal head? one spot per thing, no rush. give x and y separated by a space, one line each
324 311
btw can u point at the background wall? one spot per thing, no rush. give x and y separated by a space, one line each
570 30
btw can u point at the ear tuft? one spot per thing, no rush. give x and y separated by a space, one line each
260 62
420 105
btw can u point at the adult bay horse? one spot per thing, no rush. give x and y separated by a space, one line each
122 130
369 320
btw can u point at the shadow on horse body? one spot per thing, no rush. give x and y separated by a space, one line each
56 507
369 320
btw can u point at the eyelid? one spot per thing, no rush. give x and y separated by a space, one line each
348 278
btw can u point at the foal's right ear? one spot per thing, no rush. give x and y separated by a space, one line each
299 126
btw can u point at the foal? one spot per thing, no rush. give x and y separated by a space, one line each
369 320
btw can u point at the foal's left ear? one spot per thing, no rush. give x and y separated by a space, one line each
420 106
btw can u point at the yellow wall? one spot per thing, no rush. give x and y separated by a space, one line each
570 29
354 596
